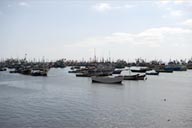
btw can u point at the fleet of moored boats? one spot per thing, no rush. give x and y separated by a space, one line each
99 72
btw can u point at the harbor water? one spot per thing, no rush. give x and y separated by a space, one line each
63 100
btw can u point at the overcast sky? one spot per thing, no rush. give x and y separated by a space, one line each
72 29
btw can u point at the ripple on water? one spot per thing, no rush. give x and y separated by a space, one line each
62 100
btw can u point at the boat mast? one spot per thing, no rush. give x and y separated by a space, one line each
95 59
109 56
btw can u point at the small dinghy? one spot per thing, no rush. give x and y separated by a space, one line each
152 72
107 80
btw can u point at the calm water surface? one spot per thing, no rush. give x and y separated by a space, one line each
63 101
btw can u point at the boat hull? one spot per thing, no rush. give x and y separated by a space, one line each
153 73
135 77
130 77
141 71
107 80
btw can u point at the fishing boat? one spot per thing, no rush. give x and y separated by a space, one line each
164 71
141 77
142 69
26 71
176 67
135 77
130 77
152 72
75 71
189 66
82 75
90 73
117 71
39 73
107 80
3 69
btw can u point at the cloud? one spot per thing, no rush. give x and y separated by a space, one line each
164 2
175 8
103 7
176 13
24 4
173 13
129 6
188 23
177 2
154 37
161 42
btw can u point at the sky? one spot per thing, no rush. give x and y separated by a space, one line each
74 29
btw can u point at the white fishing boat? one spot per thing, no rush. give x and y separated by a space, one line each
152 72
107 80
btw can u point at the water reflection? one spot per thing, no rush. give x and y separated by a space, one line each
62 100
